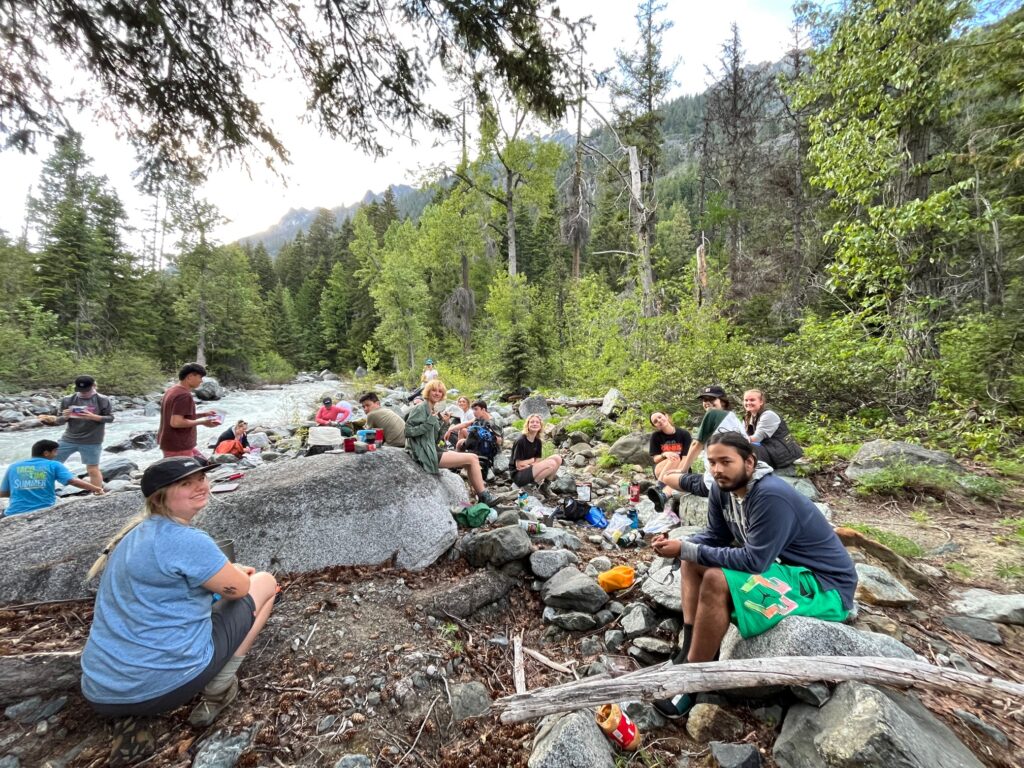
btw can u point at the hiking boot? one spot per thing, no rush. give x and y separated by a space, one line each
210 706
132 742
546 492
656 496
487 498
675 707
673 504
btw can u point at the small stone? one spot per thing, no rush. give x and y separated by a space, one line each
735 755
637 620
646 717
654 645
772 715
601 563
590 646
708 722
614 639
978 725
815 694
979 629
354 761
959 662
326 723
604 617
879 587
469 700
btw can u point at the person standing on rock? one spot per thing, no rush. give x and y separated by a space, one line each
30 483
527 461
789 561
158 639
768 433
379 417
423 435
86 414
178 416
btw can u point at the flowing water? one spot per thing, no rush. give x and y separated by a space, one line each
266 407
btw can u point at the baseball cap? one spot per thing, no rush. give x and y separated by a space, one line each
84 383
711 392
169 471
327 401
430 361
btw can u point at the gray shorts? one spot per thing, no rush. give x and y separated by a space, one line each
88 452
232 620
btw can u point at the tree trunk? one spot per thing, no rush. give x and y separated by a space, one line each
510 220
201 334
642 215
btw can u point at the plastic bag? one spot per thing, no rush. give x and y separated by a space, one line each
474 516
619 577
621 522
596 518
661 523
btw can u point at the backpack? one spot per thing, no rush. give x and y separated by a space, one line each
572 510
481 441
234 447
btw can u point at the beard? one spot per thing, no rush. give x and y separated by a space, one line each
734 483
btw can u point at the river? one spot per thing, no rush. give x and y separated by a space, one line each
267 407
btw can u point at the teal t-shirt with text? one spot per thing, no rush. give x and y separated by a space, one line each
31 484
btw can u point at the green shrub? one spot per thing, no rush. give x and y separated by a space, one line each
607 461
901 479
821 457
901 545
124 373
271 368
1009 468
1016 526
613 432
586 426
33 353
560 410
519 424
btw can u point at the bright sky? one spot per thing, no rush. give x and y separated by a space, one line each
328 173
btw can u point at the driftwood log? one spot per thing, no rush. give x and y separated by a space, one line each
566 403
668 680
38 674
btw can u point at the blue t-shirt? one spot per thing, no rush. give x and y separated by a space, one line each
151 628
30 484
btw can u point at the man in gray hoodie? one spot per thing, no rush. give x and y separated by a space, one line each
788 562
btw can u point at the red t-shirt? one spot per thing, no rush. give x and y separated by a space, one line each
177 400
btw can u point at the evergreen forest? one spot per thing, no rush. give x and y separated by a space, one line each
843 228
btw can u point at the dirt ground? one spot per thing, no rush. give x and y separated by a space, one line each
351 663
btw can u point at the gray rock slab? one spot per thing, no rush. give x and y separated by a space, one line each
803 636
570 621
637 620
496 547
613 403
535 405
558 537
728 755
978 725
632 449
876 586
646 717
710 722
654 646
222 750
803 486
354 761
693 510
990 606
545 563
571 590
979 629
564 482
815 694
880 454
571 740
469 700
662 586
866 727
614 639
304 515
469 595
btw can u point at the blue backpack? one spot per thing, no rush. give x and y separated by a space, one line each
482 442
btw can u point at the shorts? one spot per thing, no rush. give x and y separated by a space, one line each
760 601
89 453
523 477
232 620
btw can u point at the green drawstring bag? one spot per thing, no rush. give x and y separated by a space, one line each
472 517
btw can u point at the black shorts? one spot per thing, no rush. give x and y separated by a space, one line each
232 620
523 477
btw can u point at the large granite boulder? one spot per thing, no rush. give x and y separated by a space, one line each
333 509
632 449
991 606
497 547
571 740
866 727
613 404
210 389
877 455
535 405
804 636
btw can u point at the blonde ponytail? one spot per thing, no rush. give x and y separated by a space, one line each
155 505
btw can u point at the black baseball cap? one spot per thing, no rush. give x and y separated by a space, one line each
84 383
169 471
711 392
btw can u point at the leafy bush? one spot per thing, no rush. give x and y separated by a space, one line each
560 410
586 426
607 461
901 479
519 425
33 350
901 545
613 432
124 373
821 457
271 368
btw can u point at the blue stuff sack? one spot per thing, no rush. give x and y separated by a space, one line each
596 518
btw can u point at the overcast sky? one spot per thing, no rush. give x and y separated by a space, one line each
329 173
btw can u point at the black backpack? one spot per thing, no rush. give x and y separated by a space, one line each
572 510
482 442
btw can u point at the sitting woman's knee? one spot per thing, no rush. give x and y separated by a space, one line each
557 459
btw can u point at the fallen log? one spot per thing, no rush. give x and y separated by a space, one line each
38 674
903 567
668 680
566 403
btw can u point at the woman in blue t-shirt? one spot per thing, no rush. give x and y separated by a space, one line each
157 637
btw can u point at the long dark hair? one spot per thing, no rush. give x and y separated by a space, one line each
733 440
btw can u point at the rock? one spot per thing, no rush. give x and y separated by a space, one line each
583 449
545 563
825 510
469 700
138 441
591 646
978 725
210 389
535 405
10 761
991 606
570 740
500 465
710 722
468 595
571 590
360 372
662 586
646 717
979 629
772 715
564 483
31 711
866 727
9 416
35 676
568 425
880 454
112 469
557 537
570 621
637 620
25 424
151 409
224 458
632 449
804 636
654 646
496 547
579 438
614 639
326 375
802 486
876 586
221 750
334 509
693 510
613 404
815 694
735 755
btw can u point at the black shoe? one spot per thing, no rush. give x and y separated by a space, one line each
659 499
673 504
675 707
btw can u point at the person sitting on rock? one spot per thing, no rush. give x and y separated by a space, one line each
234 440
379 417
768 433
789 561
668 445
459 415
422 440
334 415
526 462
718 418
481 418
158 639
30 483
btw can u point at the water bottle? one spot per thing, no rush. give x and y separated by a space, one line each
531 527
521 501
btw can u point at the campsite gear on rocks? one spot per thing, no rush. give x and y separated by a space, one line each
630 539
675 707
474 516
634 493
583 492
657 497
619 577
380 436
366 435
661 523
618 727
596 518
324 436
531 526
349 444
572 510
484 443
